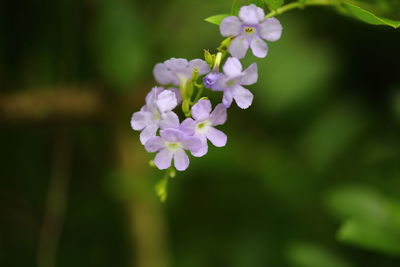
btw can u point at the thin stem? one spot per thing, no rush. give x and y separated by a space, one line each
199 93
298 5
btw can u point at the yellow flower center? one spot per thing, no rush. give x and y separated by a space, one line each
173 146
156 115
202 127
249 30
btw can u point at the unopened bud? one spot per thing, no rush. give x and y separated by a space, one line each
172 173
152 164
186 108
210 58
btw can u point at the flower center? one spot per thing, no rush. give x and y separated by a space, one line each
172 147
156 115
202 127
231 83
249 30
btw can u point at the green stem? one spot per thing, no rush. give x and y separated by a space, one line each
162 186
298 5
199 93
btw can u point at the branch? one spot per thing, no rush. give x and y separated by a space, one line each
298 5
57 103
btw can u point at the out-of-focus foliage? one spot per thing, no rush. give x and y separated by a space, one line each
370 219
274 4
118 43
309 255
368 17
310 176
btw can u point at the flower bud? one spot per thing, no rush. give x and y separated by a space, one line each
210 58
186 107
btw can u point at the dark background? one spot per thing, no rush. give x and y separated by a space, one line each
310 176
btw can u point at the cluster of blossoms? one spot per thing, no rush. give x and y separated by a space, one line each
161 130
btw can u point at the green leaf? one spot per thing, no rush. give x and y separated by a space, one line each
274 4
304 254
259 3
370 219
357 202
217 19
368 17
369 235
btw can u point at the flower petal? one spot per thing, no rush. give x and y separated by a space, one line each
216 137
259 47
242 96
166 101
140 120
154 144
177 64
151 97
203 149
201 110
172 135
177 94
181 160
169 120
230 26
188 126
162 74
227 98
221 83
200 65
232 67
251 14
271 29
191 143
148 132
219 115
163 159
239 47
250 75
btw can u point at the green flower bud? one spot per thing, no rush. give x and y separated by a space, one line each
217 61
195 74
189 89
210 58
225 44
186 107
172 173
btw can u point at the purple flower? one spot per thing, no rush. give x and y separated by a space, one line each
203 125
249 30
178 70
210 79
233 79
171 144
157 113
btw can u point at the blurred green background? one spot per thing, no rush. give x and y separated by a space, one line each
310 176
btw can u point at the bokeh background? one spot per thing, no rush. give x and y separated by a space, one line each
310 176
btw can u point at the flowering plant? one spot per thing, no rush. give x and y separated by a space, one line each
183 82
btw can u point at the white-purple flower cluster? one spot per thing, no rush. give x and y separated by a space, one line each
161 130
